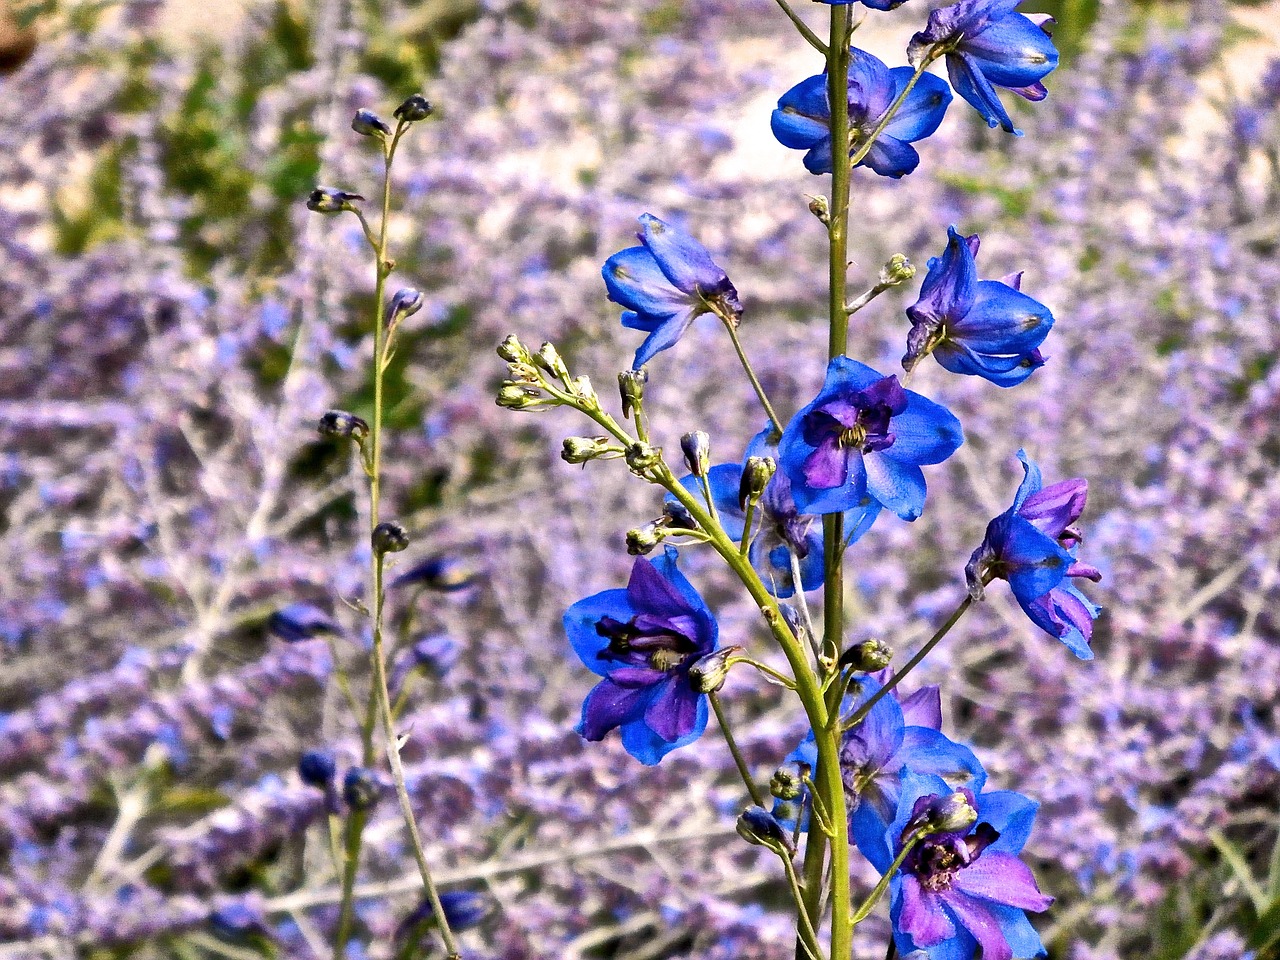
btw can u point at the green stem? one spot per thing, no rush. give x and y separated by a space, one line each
878 891
731 325
744 548
804 927
353 836
752 788
803 27
766 670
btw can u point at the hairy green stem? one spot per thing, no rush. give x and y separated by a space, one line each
878 891
752 787
803 27
730 324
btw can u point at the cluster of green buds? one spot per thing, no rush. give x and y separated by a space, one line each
527 386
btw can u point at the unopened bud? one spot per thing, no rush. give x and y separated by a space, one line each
582 449
678 515
361 789
582 388
369 124
819 207
389 537
642 540
548 358
415 108
317 768
708 674
787 782
795 621
631 387
641 456
513 351
697 452
515 397
953 813
898 270
340 424
757 826
328 200
755 477
867 656
405 303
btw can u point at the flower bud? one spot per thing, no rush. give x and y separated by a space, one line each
369 124
513 351
317 768
757 826
708 674
819 207
340 424
442 573
631 387
755 477
414 108
582 387
641 456
389 537
697 452
405 303
953 813
642 540
328 200
678 515
582 449
867 656
548 358
897 270
515 397
361 789
787 782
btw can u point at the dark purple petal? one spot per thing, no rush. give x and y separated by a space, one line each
922 917
981 923
828 466
1054 508
923 708
673 711
609 705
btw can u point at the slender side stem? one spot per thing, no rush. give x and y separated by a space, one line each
751 375
878 891
808 935
744 548
705 483
859 302
898 675
752 787
352 840
766 670
803 27
865 147
797 582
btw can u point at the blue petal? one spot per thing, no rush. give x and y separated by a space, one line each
818 159
1002 371
871 87
968 81
635 280
858 521
664 335
950 285
928 751
649 748
914 786
724 479
899 486
1002 321
1012 52
924 108
833 499
924 433
666 566
647 322
808 98
1018 931
580 625
797 131
611 705
844 376
1010 813
1034 563
683 259
890 157
1032 481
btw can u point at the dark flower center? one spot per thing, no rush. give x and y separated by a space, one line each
655 646
936 860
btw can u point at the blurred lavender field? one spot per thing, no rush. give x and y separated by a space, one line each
173 321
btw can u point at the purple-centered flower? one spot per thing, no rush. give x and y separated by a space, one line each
664 284
642 641
865 435
988 45
1032 545
802 120
880 751
983 328
960 890
780 528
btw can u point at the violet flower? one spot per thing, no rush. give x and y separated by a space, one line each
1033 546
983 328
780 528
664 284
988 45
865 435
642 641
802 120
960 890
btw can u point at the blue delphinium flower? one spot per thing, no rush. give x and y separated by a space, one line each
882 749
1033 546
664 284
962 889
984 328
300 621
988 45
780 528
864 435
463 909
642 641
802 120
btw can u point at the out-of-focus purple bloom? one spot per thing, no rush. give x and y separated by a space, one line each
959 890
988 45
780 527
664 284
238 919
802 120
984 328
361 789
643 640
300 621
317 768
464 909
864 435
442 572
1033 546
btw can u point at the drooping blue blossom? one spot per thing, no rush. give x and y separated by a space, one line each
463 909
880 751
642 641
1032 545
664 284
802 120
780 528
983 328
440 572
988 45
959 890
300 621
865 435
